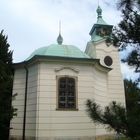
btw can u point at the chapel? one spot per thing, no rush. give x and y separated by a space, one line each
55 81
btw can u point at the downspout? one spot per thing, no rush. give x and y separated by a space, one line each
25 103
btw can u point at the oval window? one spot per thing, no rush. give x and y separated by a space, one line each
108 60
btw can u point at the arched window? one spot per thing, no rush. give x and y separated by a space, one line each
66 93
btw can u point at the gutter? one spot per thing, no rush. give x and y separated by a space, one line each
25 103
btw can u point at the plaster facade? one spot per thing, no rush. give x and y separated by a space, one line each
43 120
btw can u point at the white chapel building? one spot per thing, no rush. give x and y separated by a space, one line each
54 83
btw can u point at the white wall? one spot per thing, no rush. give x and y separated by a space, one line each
43 120
18 102
92 84
19 88
115 80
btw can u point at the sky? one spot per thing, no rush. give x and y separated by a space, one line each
31 24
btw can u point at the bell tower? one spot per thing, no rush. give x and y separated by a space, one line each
100 47
101 30
100 34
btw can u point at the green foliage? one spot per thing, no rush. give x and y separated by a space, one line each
113 116
132 92
6 79
133 59
128 29
127 33
125 121
122 138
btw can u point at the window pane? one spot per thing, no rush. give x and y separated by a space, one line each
66 97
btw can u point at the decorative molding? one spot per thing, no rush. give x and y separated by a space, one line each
108 50
62 68
102 68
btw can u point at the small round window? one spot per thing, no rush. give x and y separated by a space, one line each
108 60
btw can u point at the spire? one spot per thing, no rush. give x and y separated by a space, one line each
99 12
99 16
100 29
59 38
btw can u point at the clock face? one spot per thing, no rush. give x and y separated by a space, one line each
108 60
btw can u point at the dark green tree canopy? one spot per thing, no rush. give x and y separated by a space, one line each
6 79
128 30
5 57
127 33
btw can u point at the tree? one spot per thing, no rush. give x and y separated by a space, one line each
6 78
115 116
127 33
132 94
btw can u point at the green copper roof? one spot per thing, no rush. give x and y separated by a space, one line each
97 38
99 16
98 26
101 21
59 50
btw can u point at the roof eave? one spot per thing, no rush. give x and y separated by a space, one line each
97 25
38 58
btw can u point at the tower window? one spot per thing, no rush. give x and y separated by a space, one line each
108 60
66 93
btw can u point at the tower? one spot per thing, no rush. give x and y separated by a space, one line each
100 47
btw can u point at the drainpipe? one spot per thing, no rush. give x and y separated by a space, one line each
25 103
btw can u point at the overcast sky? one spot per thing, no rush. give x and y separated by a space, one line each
31 24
